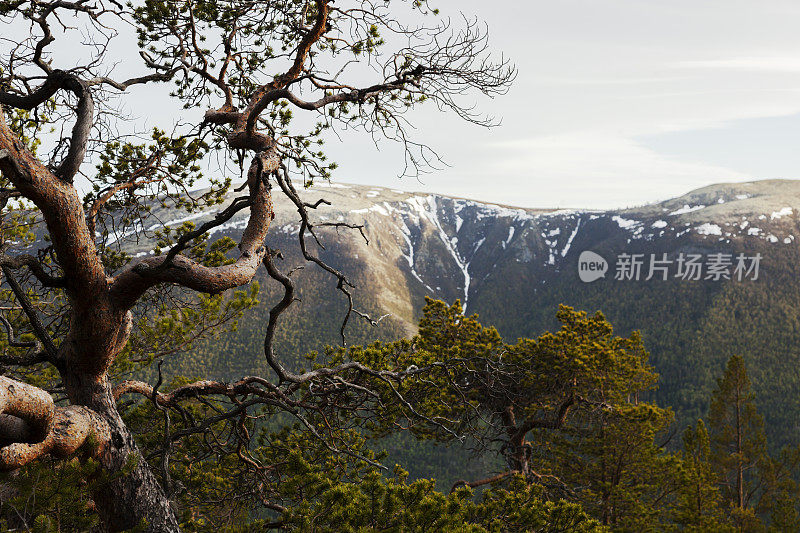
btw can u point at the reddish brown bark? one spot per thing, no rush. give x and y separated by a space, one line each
99 306
100 325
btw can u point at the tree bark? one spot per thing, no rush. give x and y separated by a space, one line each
132 496
99 328
129 495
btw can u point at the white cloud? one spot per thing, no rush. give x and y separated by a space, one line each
593 78
596 169
783 63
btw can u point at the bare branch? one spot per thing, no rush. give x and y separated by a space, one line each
34 264
30 312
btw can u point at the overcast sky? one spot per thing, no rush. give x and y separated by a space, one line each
616 103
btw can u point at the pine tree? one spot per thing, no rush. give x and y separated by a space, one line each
739 447
698 506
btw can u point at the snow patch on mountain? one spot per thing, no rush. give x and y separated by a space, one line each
708 229
786 211
571 238
686 209
625 223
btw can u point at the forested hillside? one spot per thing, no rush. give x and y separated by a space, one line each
520 264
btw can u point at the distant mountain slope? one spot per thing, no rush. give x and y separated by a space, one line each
514 266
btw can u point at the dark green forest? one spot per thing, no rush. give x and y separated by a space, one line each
689 328
554 433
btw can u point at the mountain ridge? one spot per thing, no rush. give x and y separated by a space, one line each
357 204
513 266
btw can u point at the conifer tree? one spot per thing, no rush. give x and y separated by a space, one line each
739 446
698 506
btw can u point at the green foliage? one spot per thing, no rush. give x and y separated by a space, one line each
614 466
472 375
307 478
603 467
29 125
754 485
173 329
200 250
738 442
380 504
177 158
690 328
699 502
219 484
49 495
133 179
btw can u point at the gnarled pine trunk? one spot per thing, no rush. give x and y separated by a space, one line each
128 495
